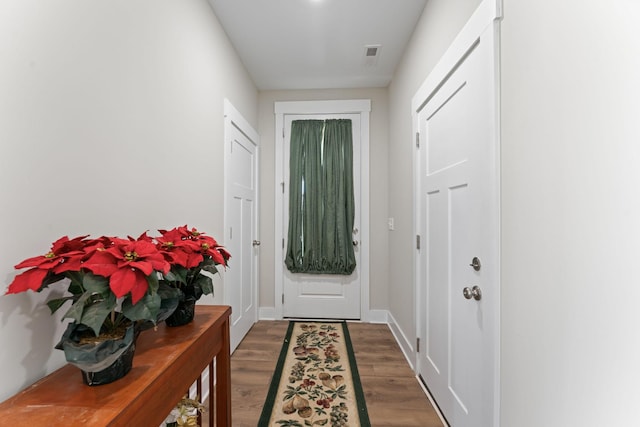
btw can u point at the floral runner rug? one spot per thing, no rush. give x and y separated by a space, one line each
316 382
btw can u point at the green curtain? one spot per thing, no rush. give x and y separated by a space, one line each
321 201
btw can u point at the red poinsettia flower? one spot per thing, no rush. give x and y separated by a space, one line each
127 264
100 244
196 245
177 249
65 255
143 236
207 245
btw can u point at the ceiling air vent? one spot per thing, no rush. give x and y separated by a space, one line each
371 53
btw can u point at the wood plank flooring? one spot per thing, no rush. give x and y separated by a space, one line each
393 395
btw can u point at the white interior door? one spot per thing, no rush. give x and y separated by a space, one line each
458 223
241 172
323 295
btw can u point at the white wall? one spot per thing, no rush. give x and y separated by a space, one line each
111 122
379 134
570 210
440 22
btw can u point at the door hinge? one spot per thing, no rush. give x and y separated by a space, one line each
418 139
230 233
418 345
418 242
283 131
283 243
282 298
282 185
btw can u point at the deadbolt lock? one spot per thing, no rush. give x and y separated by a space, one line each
475 263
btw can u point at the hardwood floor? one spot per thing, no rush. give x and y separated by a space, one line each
393 395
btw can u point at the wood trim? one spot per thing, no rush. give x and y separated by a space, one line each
166 363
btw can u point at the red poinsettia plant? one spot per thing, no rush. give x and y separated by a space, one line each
110 279
191 253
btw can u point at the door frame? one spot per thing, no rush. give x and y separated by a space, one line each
233 119
353 106
485 19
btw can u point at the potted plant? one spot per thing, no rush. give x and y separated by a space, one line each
193 257
114 289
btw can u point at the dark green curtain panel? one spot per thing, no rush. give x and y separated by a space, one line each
321 201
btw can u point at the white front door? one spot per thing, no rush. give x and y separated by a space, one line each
329 296
241 189
458 225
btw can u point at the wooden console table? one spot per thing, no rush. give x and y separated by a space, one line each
166 363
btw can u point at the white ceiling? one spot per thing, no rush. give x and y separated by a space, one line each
318 44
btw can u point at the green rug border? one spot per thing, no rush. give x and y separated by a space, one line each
267 408
269 403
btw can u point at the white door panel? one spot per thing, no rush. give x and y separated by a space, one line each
458 194
241 211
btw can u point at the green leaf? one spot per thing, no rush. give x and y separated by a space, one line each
169 297
55 304
94 315
167 292
153 282
75 288
209 265
96 284
75 277
205 284
171 276
320 411
145 309
49 279
177 274
76 309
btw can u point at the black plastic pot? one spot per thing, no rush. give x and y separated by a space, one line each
183 313
115 371
102 362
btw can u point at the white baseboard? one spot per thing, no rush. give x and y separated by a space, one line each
375 316
267 313
405 344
